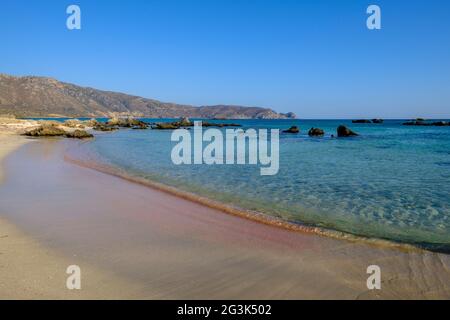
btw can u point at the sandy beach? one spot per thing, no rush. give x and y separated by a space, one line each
29 270
136 242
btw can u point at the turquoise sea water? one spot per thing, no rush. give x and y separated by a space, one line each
391 182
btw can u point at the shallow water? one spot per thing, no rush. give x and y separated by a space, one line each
391 182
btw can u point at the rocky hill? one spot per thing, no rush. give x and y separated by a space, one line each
40 96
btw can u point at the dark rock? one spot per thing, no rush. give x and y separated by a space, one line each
46 131
79 134
441 124
293 129
343 131
377 121
315 132
361 121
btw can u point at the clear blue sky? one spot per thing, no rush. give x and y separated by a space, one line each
313 57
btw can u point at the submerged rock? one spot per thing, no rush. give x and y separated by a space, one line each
46 131
79 134
315 132
343 131
293 129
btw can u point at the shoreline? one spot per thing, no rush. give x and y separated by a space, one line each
244 213
153 244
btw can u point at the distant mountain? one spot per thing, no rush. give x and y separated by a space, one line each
47 97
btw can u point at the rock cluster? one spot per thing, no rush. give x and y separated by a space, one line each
185 122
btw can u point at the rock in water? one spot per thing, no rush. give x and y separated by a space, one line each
165 126
377 121
427 124
441 124
91 123
46 131
185 122
415 123
293 129
113 121
316 132
79 134
343 131
141 126
74 123
361 121
104 127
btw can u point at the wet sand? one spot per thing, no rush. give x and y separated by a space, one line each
165 247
